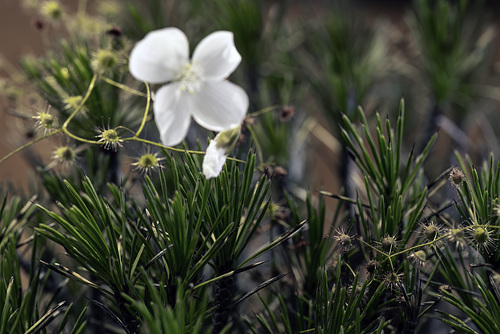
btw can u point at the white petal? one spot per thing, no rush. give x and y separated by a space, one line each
214 160
171 110
219 106
217 55
159 56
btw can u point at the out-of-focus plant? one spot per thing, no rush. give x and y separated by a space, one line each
455 42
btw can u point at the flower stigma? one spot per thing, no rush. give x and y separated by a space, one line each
188 78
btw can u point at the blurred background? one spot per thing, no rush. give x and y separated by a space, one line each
384 50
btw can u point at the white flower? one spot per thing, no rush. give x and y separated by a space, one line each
217 151
195 87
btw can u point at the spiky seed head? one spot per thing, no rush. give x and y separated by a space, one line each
418 257
458 237
371 266
344 240
110 139
52 10
72 102
480 235
104 60
457 177
388 243
392 279
64 155
431 232
148 162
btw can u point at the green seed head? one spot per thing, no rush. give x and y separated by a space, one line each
65 154
431 232
480 235
147 161
52 10
388 243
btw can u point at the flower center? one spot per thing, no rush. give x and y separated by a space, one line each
188 78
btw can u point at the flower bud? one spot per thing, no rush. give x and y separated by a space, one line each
218 150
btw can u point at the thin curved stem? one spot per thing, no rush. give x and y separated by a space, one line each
180 150
77 110
124 87
19 149
145 111
263 111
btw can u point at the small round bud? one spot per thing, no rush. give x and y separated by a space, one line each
286 114
457 177
38 24
65 73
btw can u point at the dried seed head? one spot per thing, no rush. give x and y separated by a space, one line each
344 240
457 177
445 287
38 24
388 243
392 280
371 266
287 113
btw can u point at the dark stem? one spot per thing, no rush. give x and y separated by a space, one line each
224 292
